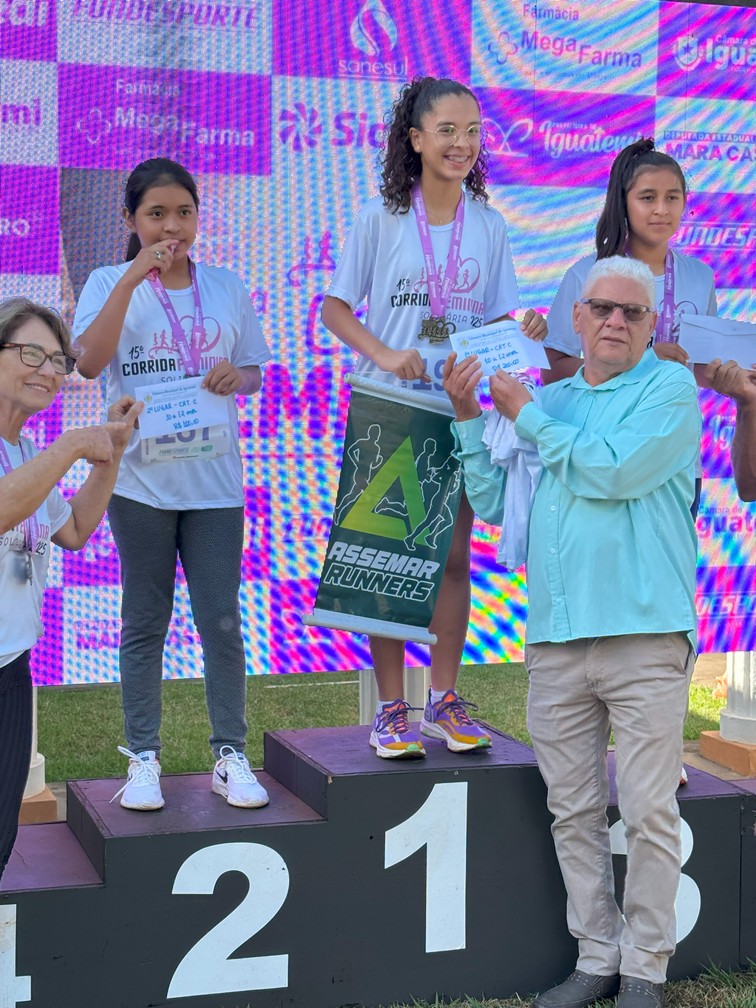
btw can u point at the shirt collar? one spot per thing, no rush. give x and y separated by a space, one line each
645 365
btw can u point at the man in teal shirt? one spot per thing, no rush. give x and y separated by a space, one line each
611 625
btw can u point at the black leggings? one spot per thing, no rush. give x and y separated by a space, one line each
15 747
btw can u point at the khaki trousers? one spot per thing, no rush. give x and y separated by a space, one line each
637 686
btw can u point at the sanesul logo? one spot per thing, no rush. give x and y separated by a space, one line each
374 35
377 40
373 31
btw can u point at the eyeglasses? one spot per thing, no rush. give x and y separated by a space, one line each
34 356
447 136
602 309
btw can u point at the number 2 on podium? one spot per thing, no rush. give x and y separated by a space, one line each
439 825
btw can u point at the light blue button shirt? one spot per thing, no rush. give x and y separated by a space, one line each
612 545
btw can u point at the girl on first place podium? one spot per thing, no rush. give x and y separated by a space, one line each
429 254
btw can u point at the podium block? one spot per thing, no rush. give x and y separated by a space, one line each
443 868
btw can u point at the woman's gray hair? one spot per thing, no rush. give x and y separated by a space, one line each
628 269
17 311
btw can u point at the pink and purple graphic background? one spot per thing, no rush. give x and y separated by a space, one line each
277 107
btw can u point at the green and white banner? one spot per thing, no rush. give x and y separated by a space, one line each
394 516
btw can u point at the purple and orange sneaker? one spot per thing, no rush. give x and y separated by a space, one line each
392 736
448 720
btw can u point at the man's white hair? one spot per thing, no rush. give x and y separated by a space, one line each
628 269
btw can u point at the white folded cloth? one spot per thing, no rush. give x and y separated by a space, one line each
521 461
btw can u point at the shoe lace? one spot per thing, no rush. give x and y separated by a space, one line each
237 765
395 716
140 772
457 710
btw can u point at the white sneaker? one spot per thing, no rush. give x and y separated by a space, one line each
233 778
142 788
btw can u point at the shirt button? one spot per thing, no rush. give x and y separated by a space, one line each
552 550
553 507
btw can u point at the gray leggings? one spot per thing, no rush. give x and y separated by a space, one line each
209 545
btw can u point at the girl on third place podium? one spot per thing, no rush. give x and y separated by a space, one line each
160 317
430 255
645 200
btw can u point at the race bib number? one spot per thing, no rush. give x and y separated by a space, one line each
188 446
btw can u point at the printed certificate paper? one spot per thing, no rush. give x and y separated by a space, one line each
500 346
172 407
705 337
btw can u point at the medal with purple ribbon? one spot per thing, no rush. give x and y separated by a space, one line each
436 328
190 350
665 323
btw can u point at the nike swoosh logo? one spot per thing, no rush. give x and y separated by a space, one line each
223 777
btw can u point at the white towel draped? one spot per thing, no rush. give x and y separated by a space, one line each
523 466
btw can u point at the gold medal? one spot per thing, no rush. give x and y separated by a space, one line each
436 329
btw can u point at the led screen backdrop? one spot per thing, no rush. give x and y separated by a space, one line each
277 107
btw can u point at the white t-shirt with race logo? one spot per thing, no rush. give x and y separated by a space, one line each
694 294
383 261
147 355
20 622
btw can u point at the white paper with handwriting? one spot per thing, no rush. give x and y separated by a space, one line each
500 346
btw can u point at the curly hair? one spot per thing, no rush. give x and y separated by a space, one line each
612 231
401 165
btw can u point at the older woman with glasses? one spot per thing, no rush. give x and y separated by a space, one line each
35 359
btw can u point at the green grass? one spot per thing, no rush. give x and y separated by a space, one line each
80 726
713 989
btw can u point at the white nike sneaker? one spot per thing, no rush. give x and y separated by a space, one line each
233 778
142 788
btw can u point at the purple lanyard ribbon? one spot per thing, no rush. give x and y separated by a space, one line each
190 350
30 525
439 297
665 323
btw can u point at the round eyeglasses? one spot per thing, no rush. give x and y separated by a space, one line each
447 136
602 309
34 356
